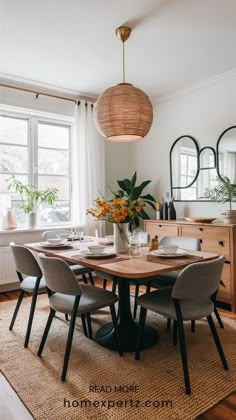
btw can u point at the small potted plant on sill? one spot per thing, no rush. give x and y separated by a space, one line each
31 198
224 192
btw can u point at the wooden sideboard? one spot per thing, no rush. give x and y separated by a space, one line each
219 238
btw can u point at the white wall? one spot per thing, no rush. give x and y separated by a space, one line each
203 112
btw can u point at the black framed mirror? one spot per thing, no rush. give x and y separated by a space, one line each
192 170
226 154
207 158
184 167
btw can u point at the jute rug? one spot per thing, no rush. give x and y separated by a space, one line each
100 384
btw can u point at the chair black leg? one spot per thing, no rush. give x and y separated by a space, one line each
90 331
70 338
193 326
46 331
91 279
66 317
104 284
114 284
218 318
135 300
20 298
32 309
142 319
84 325
184 356
84 279
175 331
217 342
114 320
168 325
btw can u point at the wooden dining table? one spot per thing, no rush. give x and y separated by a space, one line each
125 270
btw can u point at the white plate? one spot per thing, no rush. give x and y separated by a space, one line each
47 245
106 253
178 253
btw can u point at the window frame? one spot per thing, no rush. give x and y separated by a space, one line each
34 118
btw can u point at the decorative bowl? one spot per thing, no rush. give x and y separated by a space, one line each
200 219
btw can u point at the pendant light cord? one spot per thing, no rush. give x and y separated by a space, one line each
123 62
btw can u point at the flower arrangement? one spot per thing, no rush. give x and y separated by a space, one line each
116 210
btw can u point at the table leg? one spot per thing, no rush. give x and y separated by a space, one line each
127 327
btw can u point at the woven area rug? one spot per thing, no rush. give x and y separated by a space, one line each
100 384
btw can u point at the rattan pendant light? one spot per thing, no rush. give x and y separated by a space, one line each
123 112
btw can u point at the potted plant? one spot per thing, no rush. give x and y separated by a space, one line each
131 191
224 192
31 198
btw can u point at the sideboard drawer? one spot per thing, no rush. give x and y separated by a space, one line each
161 230
217 247
224 292
213 239
205 232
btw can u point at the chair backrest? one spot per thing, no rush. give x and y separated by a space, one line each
59 277
182 242
198 280
25 261
50 234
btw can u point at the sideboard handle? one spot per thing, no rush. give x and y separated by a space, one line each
221 243
200 241
160 225
201 229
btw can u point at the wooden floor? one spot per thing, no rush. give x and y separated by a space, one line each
10 403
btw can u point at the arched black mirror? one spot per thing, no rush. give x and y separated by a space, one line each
184 167
226 154
207 158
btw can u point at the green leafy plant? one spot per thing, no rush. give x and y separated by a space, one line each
30 197
223 192
129 189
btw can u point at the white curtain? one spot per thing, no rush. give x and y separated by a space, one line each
88 168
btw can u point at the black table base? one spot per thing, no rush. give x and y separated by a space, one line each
127 327
128 337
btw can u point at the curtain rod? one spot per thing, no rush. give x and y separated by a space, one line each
37 93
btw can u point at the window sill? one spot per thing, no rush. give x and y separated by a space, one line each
37 229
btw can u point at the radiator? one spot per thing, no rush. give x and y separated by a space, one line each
7 266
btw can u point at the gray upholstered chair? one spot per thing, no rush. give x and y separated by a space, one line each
34 283
70 297
189 299
168 279
78 270
50 234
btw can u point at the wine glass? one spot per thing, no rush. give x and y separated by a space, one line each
80 235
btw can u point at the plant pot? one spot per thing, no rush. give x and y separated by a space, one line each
230 216
32 220
121 237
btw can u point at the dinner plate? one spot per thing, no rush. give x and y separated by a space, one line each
106 253
47 245
178 253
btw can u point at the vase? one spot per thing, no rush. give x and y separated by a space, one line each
32 220
8 221
121 237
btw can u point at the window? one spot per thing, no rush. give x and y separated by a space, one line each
37 152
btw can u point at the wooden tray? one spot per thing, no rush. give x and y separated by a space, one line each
200 219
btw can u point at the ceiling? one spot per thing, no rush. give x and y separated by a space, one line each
72 44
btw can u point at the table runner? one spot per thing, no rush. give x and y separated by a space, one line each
186 259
